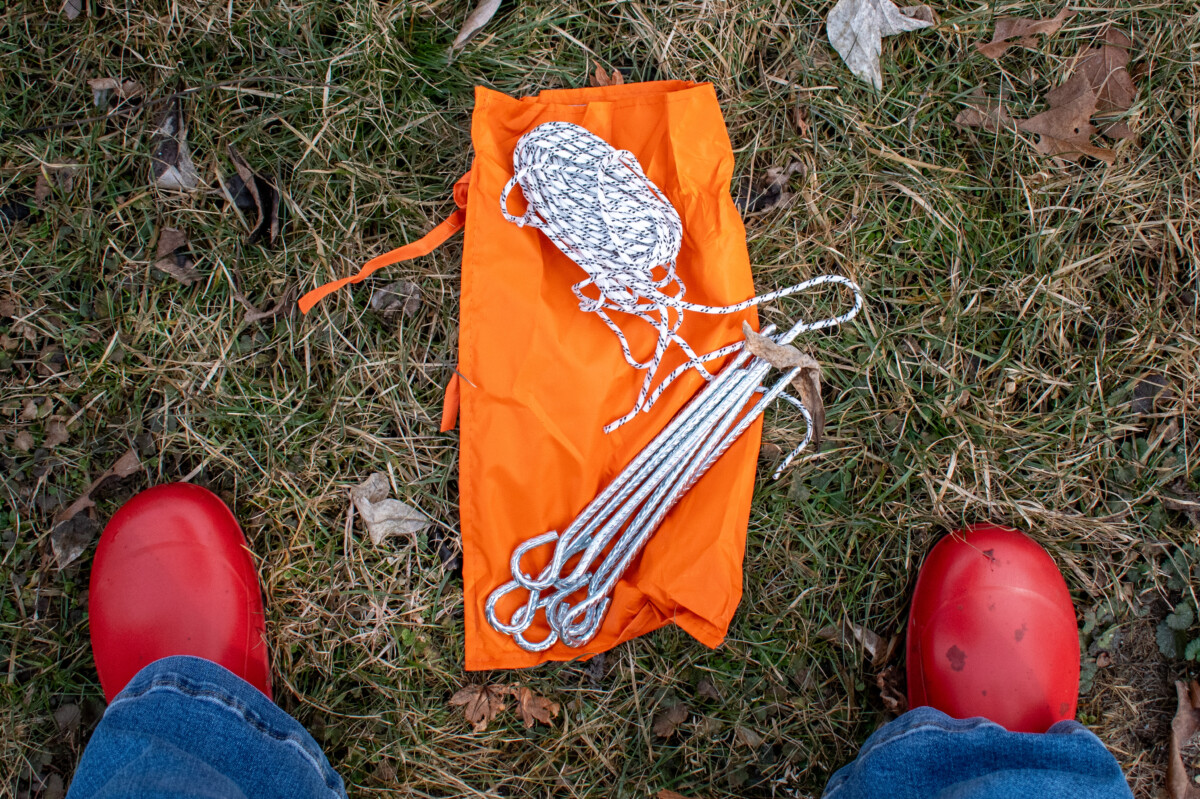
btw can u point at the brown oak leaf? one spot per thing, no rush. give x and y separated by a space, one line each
602 78
667 720
481 703
533 707
1102 69
1020 31
1065 131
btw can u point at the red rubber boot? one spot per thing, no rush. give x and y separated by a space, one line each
992 632
172 576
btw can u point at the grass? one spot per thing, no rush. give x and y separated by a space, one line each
1017 305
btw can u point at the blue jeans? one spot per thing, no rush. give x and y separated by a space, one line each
925 754
186 727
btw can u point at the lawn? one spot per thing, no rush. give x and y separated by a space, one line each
1029 355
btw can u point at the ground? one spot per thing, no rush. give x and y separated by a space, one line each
1029 355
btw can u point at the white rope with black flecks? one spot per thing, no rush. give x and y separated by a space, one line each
597 206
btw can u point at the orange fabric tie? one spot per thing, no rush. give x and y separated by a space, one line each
422 246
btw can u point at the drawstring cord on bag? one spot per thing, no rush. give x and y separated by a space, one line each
597 206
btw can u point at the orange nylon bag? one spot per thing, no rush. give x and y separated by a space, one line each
541 378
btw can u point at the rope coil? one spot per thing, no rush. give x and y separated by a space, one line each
597 206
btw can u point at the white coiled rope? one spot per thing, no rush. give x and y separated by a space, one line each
597 205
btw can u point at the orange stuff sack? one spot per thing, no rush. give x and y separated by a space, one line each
540 378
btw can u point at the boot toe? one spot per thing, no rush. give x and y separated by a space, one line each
992 632
172 576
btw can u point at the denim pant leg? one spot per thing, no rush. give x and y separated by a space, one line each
186 727
925 754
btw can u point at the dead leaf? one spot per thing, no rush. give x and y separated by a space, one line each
23 441
533 707
171 164
807 382
1065 131
747 737
854 635
602 78
890 682
481 16
386 517
1020 31
264 195
1185 737
125 466
769 192
56 433
70 538
51 361
481 703
922 12
67 717
667 721
104 89
71 9
1102 69
1184 501
401 298
708 689
60 175
856 29
174 258
30 411
284 305
981 112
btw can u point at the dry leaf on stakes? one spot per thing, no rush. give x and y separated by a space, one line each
807 383
73 528
263 194
386 517
61 176
481 703
856 29
402 298
1102 69
1183 759
173 256
104 89
667 721
23 441
982 112
533 707
171 164
1016 30
770 190
1066 131
602 78
481 16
